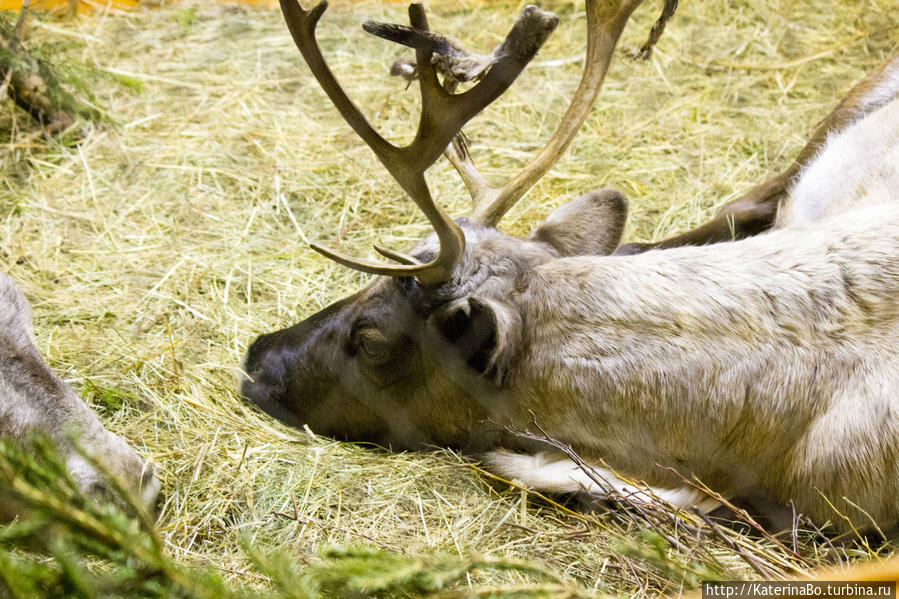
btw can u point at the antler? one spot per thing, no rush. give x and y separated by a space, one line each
442 117
605 22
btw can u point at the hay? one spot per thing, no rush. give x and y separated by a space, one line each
156 250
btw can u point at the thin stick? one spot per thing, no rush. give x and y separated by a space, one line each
296 517
756 565
17 30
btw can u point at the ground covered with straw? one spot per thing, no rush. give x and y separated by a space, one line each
177 230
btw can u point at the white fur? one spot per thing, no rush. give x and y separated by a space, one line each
883 90
547 472
857 166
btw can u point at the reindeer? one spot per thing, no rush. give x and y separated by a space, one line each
33 400
767 367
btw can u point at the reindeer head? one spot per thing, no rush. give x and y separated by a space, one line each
427 353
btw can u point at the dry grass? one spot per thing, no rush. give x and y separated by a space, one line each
156 250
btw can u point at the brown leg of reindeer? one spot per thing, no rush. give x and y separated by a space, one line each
749 215
754 212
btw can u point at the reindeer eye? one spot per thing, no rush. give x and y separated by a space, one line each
374 345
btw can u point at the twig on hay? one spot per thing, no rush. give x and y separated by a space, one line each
620 500
750 559
296 517
743 516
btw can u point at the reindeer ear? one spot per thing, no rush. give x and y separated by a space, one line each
589 225
487 334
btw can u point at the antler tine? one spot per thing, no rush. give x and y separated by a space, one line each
302 24
442 117
605 22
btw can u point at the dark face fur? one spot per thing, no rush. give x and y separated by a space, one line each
398 364
407 366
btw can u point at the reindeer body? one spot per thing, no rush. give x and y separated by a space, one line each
33 400
769 365
766 366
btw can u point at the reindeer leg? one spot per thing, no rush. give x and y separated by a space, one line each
749 215
754 212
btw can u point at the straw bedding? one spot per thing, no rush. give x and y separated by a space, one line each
156 249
